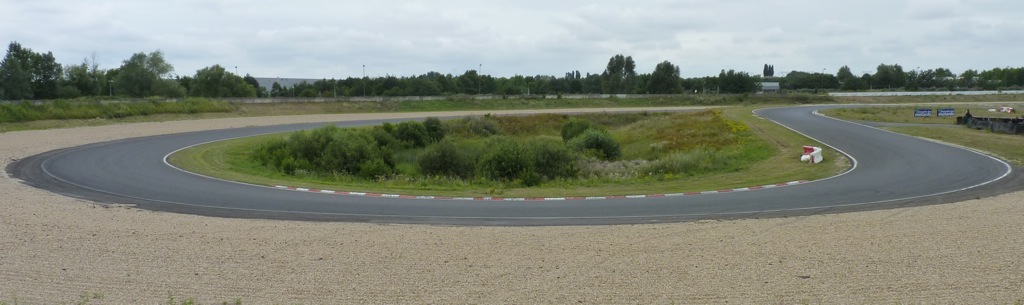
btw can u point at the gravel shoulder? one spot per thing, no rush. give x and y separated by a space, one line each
57 248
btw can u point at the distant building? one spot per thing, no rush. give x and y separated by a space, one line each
770 87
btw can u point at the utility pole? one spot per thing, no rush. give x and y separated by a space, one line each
364 80
822 82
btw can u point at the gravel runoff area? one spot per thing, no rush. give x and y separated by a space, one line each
56 249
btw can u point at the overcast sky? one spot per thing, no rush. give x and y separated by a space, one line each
334 39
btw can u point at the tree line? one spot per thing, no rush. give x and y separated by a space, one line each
29 75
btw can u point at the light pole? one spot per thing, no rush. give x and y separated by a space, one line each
917 78
236 70
479 78
364 80
111 86
822 81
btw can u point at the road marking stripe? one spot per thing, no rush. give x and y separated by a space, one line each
506 199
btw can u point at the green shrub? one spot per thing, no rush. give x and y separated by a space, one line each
271 153
574 127
375 169
552 158
508 160
412 134
288 165
475 126
310 145
384 137
435 131
328 150
531 179
349 150
390 128
597 143
447 160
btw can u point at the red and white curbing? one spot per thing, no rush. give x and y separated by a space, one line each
380 195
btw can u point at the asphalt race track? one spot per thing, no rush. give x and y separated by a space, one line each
890 171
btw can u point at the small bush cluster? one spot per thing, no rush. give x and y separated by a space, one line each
484 126
552 159
445 159
328 150
597 143
508 160
366 153
575 127
505 159
514 150
412 134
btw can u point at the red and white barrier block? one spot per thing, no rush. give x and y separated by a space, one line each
812 154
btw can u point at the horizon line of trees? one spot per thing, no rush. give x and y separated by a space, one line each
28 75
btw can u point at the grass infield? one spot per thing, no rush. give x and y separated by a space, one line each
227 160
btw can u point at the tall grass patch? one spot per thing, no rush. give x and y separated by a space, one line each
65 110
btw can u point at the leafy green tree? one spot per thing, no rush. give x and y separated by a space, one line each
46 76
144 75
592 84
620 75
855 84
968 78
889 76
422 86
470 82
185 82
848 81
768 71
16 73
737 82
844 73
83 78
307 92
665 79
277 90
260 91
215 81
25 74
